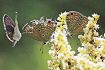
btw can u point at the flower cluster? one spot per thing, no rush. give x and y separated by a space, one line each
93 51
91 55
62 56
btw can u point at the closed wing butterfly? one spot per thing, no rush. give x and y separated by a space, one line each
75 22
11 29
40 30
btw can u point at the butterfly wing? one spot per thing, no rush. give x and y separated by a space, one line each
48 29
45 30
37 32
27 28
83 22
17 34
76 22
40 30
32 30
9 27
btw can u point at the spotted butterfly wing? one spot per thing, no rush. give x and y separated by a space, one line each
76 22
40 30
11 29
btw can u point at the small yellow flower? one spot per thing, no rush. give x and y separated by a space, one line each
62 17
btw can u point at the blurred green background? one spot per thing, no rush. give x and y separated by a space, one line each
26 55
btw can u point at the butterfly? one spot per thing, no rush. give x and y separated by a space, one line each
40 30
75 22
11 29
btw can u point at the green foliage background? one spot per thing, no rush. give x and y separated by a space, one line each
27 55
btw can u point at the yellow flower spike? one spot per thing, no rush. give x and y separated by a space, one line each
91 55
96 16
62 17
97 42
63 49
82 50
60 38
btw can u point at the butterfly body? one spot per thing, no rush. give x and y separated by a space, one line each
11 29
40 30
76 22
